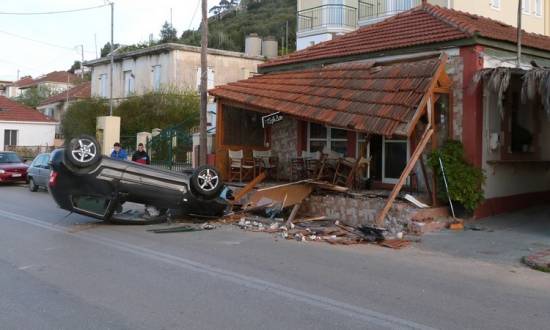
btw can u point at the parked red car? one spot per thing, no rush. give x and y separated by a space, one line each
12 168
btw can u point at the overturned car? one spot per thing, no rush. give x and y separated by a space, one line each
85 182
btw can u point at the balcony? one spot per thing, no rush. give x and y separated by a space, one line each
372 11
329 18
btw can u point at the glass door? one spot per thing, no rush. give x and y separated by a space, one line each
395 154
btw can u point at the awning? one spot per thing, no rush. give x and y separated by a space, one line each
371 97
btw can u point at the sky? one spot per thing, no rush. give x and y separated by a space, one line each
38 44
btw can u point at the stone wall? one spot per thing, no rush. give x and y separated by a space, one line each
455 68
284 138
356 211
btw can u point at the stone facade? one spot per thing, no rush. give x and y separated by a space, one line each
355 211
284 138
455 68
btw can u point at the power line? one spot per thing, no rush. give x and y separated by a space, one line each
194 14
40 42
52 12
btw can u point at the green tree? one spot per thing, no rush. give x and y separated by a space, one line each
81 117
106 49
158 110
34 95
76 66
168 33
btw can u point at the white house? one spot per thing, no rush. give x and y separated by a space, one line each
55 81
22 126
167 66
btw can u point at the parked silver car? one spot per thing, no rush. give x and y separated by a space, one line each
38 173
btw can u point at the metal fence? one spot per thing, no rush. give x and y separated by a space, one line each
327 16
374 9
170 165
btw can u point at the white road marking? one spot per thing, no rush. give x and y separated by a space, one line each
331 305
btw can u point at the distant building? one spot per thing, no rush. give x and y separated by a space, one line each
56 81
22 126
55 106
321 20
167 65
4 86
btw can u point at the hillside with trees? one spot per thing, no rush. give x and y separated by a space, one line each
231 21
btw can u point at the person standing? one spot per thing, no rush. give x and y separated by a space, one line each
141 156
118 152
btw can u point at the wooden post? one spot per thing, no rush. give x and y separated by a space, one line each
417 153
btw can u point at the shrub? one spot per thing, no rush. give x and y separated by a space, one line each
465 181
80 117
158 110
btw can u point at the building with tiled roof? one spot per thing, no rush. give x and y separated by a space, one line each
56 81
21 125
374 91
320 20
56 105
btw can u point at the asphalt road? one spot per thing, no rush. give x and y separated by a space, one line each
68 272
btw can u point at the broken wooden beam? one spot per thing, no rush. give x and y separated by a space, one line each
404 175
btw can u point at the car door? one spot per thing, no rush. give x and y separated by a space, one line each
39 171
34 169
45 170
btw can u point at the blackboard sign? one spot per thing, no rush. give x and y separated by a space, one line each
271 118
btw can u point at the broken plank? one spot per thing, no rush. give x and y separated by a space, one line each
240 194
287 195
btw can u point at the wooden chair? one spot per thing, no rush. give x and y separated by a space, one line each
297 169
264 161
312 163
328 163
346 169
239 166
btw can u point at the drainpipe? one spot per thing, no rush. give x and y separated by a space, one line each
519 33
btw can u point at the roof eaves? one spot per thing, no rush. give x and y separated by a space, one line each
432 47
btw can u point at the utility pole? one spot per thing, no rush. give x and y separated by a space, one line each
82 62
171 17
519 32
286 39
204 85
112 58
95 43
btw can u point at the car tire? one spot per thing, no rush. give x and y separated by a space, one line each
83 152
206 182
32 186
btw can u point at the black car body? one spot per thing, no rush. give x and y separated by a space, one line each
38 173
84 182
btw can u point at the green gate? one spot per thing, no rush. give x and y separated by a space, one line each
172 148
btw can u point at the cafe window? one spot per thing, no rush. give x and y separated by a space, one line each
242 128
321 137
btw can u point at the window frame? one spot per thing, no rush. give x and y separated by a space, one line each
156 77
526 7
103 85
9 133
328 139
538 8
128 87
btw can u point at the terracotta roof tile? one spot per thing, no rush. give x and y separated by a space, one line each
425 24
54 76
82 91
371 99
14 111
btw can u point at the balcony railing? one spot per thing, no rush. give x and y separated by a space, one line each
374 10
327 16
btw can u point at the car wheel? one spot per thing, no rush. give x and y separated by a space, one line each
32 186
83 151
206 182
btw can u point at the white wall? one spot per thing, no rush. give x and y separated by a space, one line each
178 68
29 134
304 42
